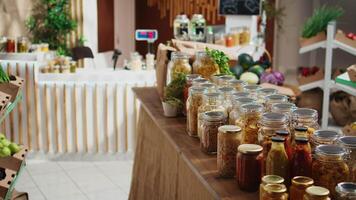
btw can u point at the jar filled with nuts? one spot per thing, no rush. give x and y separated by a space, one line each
204 65
250 116
194 101
212 120
349 143
188 83
272 99
329 167
237 84
228 141
235 113
179 64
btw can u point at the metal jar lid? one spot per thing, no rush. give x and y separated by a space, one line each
267 91
213 116
302 181
325 135
348 141
275 188
269 179
346 189
240 94
250 148
231 129
330 150
274 117
317 191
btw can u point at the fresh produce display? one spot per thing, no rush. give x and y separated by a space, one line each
308 71
249 77
7 148
275 77
221 59
4 78
237 70
245 60
351 36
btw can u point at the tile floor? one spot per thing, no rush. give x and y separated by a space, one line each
76 180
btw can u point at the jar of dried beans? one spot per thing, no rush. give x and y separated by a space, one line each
194 101
212 120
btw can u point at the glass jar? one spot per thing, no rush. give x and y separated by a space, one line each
275 192
22 44
316 193
302 158
227 94
323 137
236 95
305 117
180 27
229 40
204 65
199 81
194 101
179 64
252 89
269 179
3 44
298 187
209 87
346 191
219 39
349 143
197 28
235 113
250 116
277 162
237 84
245 36
188 83
10 45
274 98
263 92
212 120
228 141
287 142
284 108
248 167
223 80
212 101
329 167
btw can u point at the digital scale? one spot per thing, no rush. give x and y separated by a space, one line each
148 35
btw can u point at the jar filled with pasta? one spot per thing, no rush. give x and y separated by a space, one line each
301 164
274 98
204 65
250 115
252 89
298 187
306 117
194 101
275 192
269 179
223 80
248 167
188 83
284 108
316 193
227 94
212 101
197 28
263 92
237 84
329 167
180 27
235 113
323 137
346 191
209 137
277 162
179 64
228 141
349 143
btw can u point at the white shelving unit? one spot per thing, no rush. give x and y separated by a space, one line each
327 84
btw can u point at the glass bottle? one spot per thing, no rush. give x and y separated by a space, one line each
209 137
188 83
269 179
180 27
223 80
197 28
316 193
329 167
349 143
287 142
250 116
263 92
235 113
323 137
302 158
194 101
284 108
305 117
204 65
274 98
212 101
277 162
298 187
252 89
227 94
179 64
248 167
275 192
346 191
237 84
228 141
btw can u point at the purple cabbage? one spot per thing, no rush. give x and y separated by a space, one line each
275 77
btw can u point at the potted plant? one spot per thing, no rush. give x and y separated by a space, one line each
315 27
171 106
173 96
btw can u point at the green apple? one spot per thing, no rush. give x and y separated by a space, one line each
5 151
2 136
5 142
1 145
14 148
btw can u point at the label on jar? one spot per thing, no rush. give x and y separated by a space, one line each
199 28
183 29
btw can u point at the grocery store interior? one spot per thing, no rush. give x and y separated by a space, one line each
177 99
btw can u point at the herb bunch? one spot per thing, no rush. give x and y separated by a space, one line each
4 78
173 92
221 59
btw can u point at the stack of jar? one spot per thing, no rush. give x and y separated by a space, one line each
10 45
267 142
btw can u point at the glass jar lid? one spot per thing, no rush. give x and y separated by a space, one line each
179 55
200 54
267 91
196 90
240 94
301 128
330 150
199 81
244 100
272 179
282 133
274 117
301 140
325 135
283 107
347 189
302 181
317 191
226 89
278 139
250 149
348 141
229 129
191 77
276 97
208 85
305 113
251 88
275 188
213 116
252 107
197 16
237 82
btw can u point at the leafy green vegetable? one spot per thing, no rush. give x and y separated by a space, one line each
320 19
174 102
221 59
4 78
173 92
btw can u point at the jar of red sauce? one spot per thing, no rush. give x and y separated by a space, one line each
248 167
302 158
188 84
10 46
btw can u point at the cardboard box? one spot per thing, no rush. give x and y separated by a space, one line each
309 41
341 37
13 87
302 80
352 72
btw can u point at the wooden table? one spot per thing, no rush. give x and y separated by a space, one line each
169 164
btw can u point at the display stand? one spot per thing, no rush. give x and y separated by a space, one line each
327 84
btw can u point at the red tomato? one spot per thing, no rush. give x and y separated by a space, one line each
354 37
350 35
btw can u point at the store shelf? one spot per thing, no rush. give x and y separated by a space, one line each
345 47
345 88
312 47
10 107
14 181
312 85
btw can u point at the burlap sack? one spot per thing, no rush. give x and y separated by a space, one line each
343 108
163 53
